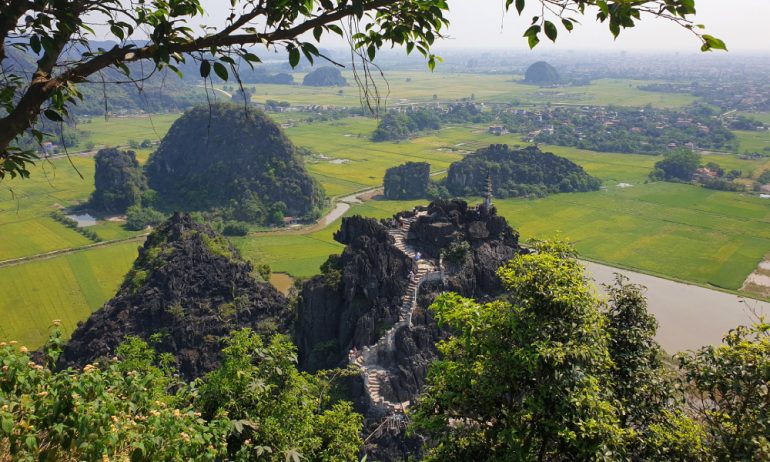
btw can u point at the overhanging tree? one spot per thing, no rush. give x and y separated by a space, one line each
57 33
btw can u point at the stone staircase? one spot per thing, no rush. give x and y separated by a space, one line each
373 373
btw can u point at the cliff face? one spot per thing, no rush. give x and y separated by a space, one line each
369 307
186 291
355 298
363 298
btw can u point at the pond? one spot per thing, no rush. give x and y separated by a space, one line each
83 220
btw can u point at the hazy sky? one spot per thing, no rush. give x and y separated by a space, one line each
478 23
740 23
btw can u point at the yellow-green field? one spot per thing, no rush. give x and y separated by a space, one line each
117 131
69 288
402 87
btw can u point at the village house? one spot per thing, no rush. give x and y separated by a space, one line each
497 130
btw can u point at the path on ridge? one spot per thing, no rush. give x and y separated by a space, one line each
372 372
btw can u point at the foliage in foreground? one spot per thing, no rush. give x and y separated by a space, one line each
257 406
553 373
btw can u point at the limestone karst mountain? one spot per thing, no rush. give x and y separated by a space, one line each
235 159
517 172
187 290
542 73
326 76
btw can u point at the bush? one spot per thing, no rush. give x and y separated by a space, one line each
138 217
456 251
235 228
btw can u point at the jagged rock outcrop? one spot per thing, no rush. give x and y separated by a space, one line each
187 290
369 307
355 298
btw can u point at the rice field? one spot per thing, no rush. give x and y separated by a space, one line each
677 231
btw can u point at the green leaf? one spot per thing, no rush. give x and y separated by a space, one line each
293 57
712 43
568 24
550 30
34 42
520 6
6 425
53 115
531 35
117 32
205 68
317 31
221 71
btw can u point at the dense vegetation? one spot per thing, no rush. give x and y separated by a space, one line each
541 73
407 181
235 161
401 125
139 217
679 165
325 77
514 173
255 406
552 373
118 181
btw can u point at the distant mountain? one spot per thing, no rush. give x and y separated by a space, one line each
235 160
542 73
187 290
325 77
514 173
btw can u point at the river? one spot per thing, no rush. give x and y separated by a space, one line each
689 316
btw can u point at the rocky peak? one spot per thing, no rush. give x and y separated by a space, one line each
188 289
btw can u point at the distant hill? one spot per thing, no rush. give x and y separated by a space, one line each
228 158
542 73
325 77
407 181
187 290
118 181
514 173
